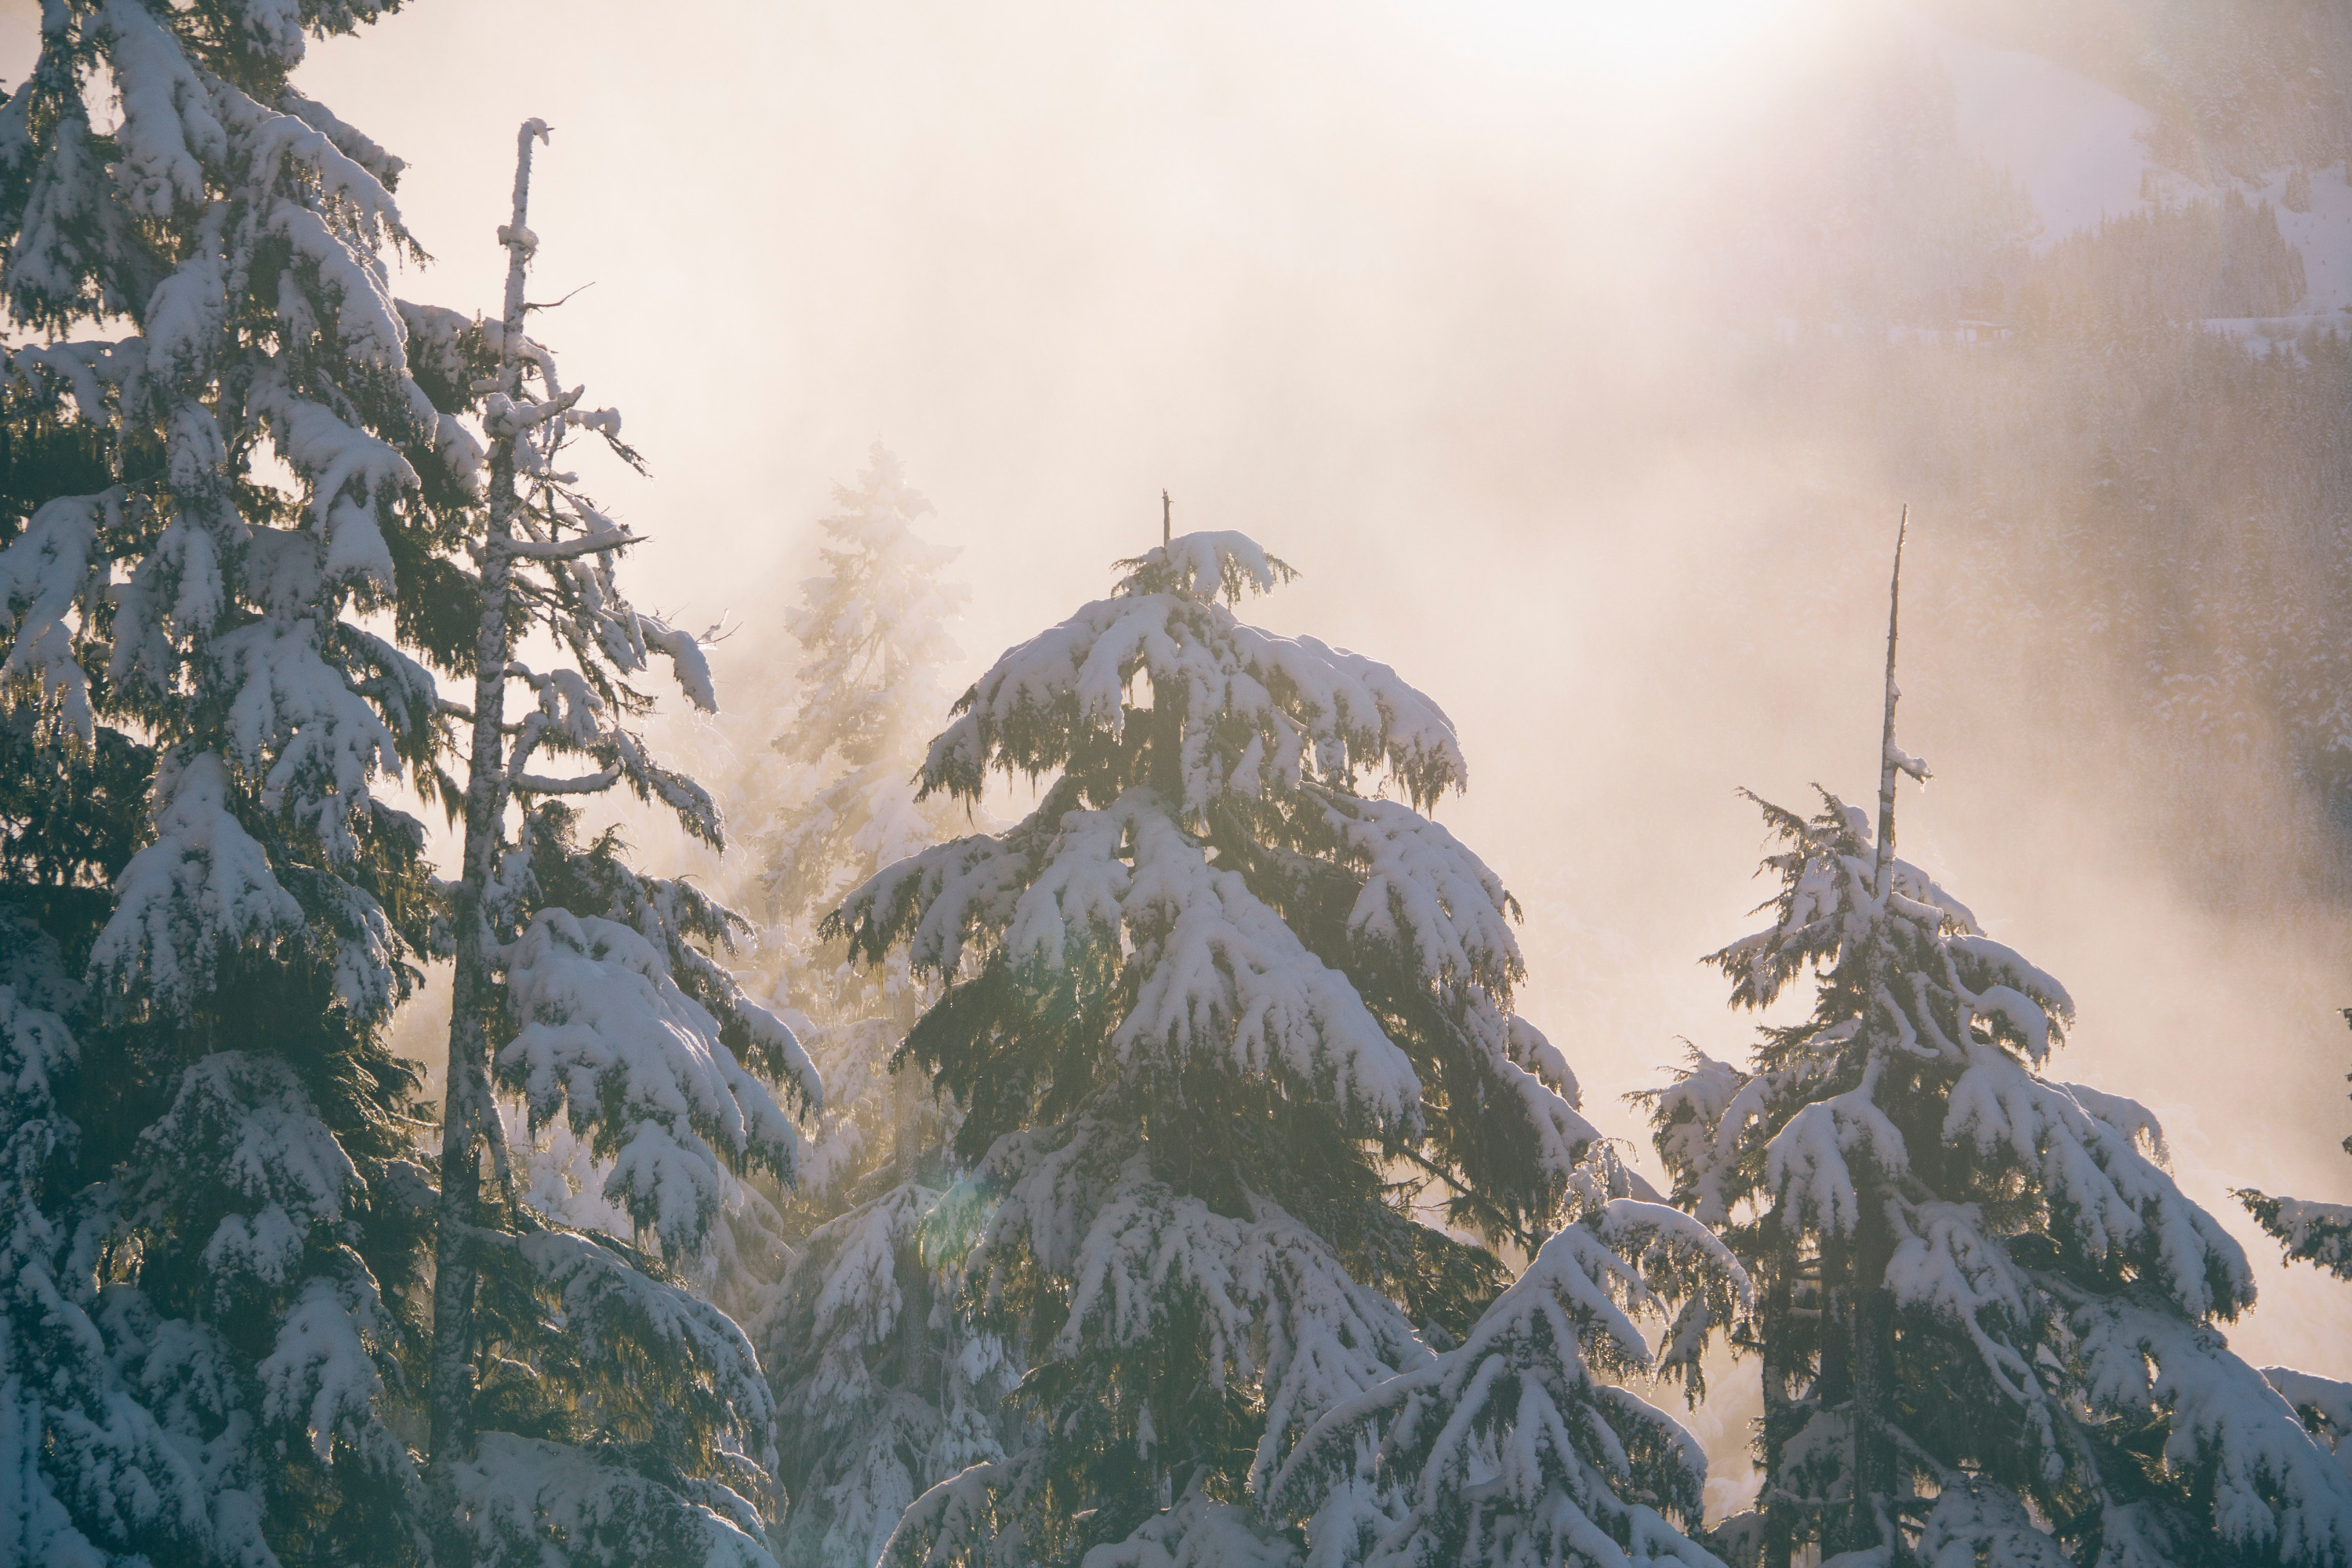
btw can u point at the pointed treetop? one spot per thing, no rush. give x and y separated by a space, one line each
1892 758
1204 566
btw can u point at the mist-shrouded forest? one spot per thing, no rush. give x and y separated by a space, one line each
1066 786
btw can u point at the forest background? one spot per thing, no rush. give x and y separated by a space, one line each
1581 372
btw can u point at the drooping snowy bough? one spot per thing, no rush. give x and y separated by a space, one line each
1228 1030
1986 1316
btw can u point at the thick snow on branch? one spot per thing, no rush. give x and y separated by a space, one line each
1261 711
1507 1449
295 720
321 1375
243 1122
1980 1523
847 1273
46 575
530 1503
2094 1174
606 1031
1209 565
203 884
1273 1300
610 1308
347 138
939 900
1945 1263
352 475
1220 973
168 124
2275 1490
882 1411
1427 899
1702 1119
1197 1532
1806 1162
2325 1406
84 1443
2311 1232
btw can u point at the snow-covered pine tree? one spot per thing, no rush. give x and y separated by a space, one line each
1225 1025
214 1235
893 1389
1986 1316
583 1401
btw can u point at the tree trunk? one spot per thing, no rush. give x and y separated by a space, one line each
1780 1291
1872 1326
467 1106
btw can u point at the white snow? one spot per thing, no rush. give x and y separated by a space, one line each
532 1504
45 575
2078 148
1497 1450
2274 1489
203 882
606 1031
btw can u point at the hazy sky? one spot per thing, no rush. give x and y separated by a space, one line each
1428 297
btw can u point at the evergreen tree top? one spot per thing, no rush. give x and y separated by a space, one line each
1261 715
1986 1309
875 627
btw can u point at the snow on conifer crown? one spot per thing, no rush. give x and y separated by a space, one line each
1254 722
1264 711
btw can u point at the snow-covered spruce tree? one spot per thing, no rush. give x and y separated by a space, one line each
210 1280
584 1402
1223 1028
1986 1315
892 1388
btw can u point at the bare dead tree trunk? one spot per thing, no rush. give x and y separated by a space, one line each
468 1113
1869 1308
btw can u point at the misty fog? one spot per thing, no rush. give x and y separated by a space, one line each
1582 367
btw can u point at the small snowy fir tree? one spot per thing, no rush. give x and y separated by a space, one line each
1986 1317
213 1236
585 1404
1224 1026
892 1388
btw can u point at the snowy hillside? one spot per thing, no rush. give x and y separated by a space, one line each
2081 152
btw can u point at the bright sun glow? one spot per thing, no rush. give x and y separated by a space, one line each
1631 41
